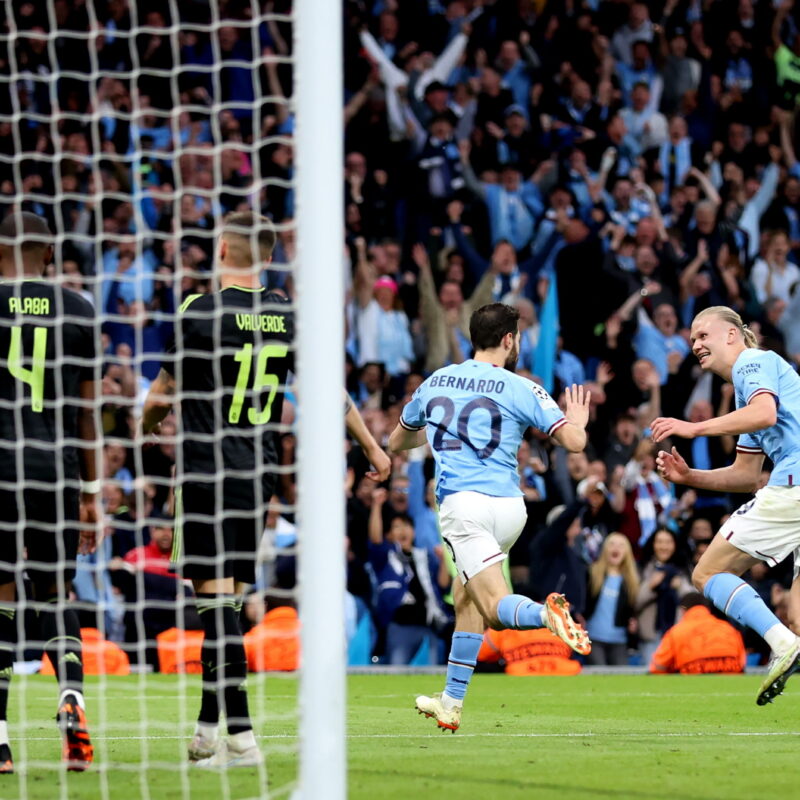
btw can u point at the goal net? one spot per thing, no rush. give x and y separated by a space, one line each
133 129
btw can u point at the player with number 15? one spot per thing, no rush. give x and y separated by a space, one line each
228 367
473 415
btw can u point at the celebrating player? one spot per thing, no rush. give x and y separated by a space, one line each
234 351
767 420
48 465
474 414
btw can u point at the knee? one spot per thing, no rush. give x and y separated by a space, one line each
492 621
462 606
699 578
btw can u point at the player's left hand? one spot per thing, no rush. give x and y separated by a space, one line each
87 543
88 516
577 405
148 438
382 466
672 466
663 427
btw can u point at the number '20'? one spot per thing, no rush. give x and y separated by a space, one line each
462 424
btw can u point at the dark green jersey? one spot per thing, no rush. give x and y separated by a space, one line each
231 354
47 348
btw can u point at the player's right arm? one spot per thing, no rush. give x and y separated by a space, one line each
741 476
403 439
372 450
158 402
572 435
90 458
410 430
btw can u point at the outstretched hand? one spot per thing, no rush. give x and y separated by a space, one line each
663 427
382 466
577 401
672 466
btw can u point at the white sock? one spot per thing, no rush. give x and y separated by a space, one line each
207 730
242 741
451 702
77 695
3 732
779 638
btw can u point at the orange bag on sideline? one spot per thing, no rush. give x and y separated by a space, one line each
533 652
179 651
274 644
100 657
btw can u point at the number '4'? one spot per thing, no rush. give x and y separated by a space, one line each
34 376
261 381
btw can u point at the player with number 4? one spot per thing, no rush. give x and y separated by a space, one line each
474 415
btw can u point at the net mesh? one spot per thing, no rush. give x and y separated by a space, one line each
133 128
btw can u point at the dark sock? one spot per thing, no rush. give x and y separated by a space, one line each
62 635
209 702
237 711
8 641
224 661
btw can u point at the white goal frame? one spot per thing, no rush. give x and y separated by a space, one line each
319 150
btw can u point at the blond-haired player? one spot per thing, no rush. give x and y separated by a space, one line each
767 421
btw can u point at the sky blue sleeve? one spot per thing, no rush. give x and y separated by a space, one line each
747 443
535 407
413 416
755 375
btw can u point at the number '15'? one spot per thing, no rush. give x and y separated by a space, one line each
261 380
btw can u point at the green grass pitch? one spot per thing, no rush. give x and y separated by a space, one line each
682 738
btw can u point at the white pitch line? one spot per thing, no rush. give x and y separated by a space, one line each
494 735
588 696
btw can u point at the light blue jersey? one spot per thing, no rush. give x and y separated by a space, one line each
762 371
475 414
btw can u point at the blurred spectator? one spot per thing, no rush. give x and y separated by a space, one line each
639 28
664 580
152 591
445 315
613 587
558 561
680 73
774 275
649 500
382 332
409 585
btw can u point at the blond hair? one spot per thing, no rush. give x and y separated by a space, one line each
627 568
732 318
250 237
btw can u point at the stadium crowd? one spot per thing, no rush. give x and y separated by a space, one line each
608 167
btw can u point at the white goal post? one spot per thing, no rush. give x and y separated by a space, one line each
320 225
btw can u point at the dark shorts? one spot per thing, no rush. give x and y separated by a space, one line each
218 537
45 524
